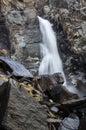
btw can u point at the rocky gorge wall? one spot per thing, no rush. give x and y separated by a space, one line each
20 40
69 21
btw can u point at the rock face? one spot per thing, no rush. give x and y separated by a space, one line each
24 113
73 22
24 34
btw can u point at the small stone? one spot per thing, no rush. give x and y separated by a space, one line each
54 109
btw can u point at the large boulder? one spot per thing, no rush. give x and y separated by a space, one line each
4 95
15 68
23 113
52 86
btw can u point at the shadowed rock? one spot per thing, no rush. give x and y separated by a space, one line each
82 123
24 113
15 67
4 96
52 85
4 32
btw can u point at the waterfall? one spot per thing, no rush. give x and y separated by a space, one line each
51 62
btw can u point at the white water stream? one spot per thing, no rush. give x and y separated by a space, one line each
51 62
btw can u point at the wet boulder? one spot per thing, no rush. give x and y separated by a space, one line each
54 79
49 80
14 67
52 85
60 94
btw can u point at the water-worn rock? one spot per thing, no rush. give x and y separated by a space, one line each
53 87
24 113
46 81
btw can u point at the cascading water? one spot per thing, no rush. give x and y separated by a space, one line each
51 61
